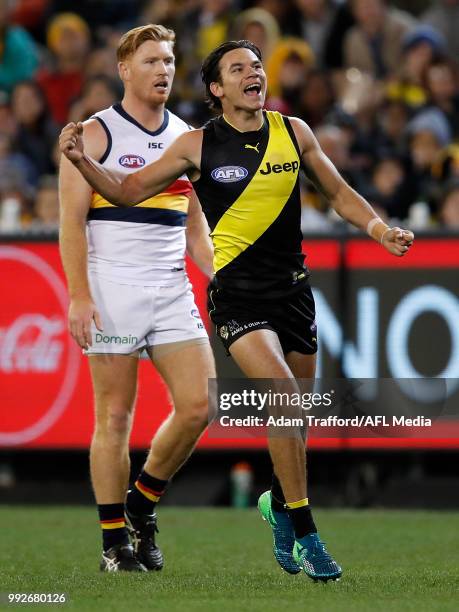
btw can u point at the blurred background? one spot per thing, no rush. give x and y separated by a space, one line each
378 82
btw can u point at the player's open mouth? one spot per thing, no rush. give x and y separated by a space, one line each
253 90
162 86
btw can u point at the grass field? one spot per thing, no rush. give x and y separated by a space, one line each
221 560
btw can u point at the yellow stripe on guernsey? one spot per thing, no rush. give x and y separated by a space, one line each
162 200
262 200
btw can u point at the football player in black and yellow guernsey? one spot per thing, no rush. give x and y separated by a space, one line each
244 166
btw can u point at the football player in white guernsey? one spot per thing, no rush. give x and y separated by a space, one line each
129 291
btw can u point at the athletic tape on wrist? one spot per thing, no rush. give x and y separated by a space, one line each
371 225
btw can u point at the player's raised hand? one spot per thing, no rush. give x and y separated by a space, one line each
397 241
71 141
81 314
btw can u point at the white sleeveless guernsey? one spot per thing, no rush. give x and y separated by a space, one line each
143 245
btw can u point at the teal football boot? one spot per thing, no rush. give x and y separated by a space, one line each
312 556
283 534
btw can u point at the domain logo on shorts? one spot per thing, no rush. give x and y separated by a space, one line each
131 161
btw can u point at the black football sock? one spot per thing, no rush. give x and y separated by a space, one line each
277 495
111 517
145 494
301 517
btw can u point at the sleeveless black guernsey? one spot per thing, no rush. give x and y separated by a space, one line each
249 192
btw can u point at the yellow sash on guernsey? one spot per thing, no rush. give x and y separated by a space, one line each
262 201
162 200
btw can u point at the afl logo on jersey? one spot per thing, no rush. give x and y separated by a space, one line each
229 174
132 161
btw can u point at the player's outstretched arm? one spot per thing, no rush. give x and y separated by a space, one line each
345 200
183 156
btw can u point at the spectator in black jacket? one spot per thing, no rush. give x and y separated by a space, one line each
36 131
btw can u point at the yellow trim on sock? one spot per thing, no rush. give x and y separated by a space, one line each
146 492
298 504
119 525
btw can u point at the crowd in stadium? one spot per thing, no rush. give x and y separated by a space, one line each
378 85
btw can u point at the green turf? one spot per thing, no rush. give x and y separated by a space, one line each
221 560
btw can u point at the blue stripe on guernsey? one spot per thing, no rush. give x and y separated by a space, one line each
109 139
161 216
120 110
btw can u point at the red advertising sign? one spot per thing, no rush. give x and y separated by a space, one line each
39 362
45 388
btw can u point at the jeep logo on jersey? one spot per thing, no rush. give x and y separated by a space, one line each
276 168
229 174
132 161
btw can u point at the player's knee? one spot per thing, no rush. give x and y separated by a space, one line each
196 413
119 422
115 422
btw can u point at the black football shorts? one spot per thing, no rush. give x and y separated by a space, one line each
291 317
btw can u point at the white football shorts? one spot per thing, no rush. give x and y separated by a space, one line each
136 317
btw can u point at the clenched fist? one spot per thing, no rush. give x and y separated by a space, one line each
397 241
71 141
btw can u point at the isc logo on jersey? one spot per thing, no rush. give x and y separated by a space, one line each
132 161
229 174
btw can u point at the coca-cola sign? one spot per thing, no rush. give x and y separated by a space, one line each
38 360
30 344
